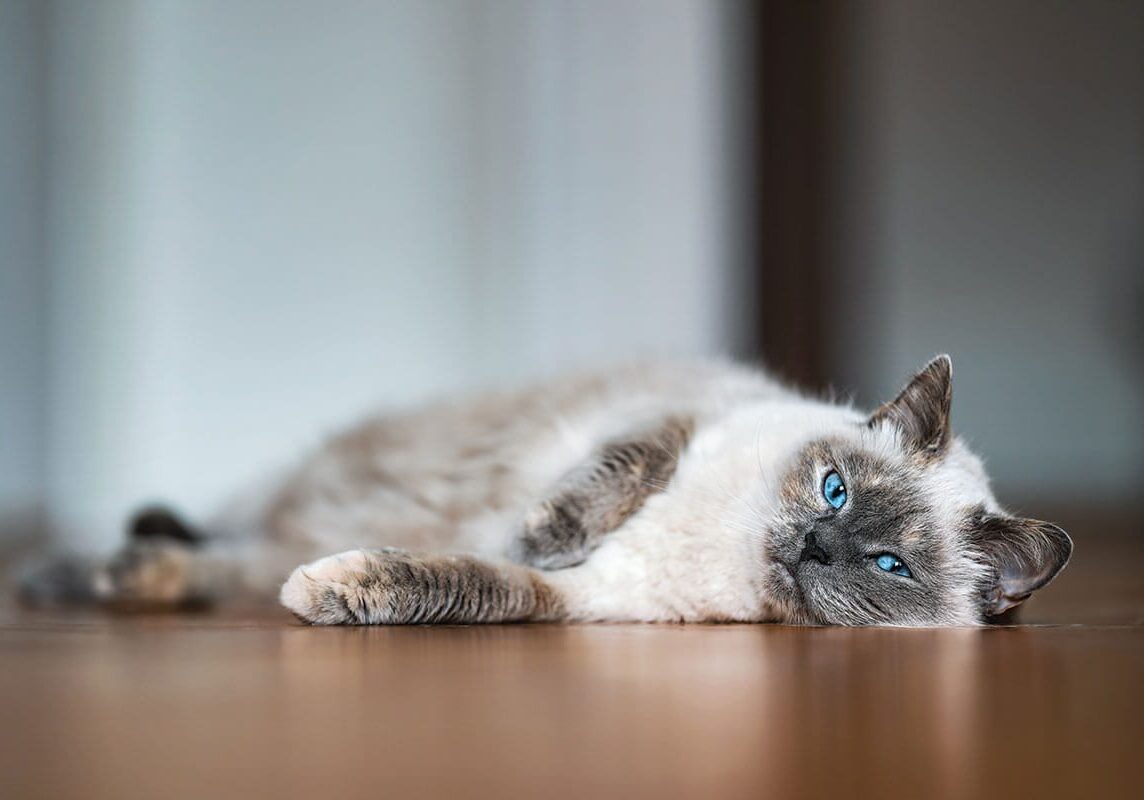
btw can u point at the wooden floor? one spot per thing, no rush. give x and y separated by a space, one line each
255 705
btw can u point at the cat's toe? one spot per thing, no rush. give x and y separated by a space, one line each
329 591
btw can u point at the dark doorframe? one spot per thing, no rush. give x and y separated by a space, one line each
797 171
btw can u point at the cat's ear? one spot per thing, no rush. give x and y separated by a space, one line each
921 410
1022 554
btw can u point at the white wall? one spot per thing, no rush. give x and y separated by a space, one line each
268 217
22 333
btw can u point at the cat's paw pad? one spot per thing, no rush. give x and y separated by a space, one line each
336 590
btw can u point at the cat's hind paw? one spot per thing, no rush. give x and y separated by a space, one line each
142 576
60 581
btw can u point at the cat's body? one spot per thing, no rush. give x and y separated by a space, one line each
668 492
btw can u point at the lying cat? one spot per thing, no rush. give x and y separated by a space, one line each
677 492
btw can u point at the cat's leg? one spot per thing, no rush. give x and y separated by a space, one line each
393 587
389 587
598 496
144 574
165 563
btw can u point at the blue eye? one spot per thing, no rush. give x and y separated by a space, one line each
891 563
834 490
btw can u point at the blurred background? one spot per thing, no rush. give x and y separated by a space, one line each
228 228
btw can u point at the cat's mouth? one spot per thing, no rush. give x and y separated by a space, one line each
787 587
784 580
787 575
787 571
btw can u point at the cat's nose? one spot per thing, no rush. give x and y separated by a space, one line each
812 551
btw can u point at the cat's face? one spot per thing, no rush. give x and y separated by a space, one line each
893 523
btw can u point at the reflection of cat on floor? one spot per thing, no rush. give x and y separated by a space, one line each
671 492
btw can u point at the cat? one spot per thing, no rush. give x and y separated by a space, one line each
684 492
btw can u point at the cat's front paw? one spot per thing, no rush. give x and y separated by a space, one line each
335 590
375 587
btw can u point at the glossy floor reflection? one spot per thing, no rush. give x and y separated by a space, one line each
255 705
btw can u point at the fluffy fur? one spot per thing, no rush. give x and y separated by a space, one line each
673 492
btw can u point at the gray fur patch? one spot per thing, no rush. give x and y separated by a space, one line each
596 498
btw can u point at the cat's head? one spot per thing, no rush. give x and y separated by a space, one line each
891 522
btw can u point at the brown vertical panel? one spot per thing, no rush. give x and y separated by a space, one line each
796 180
